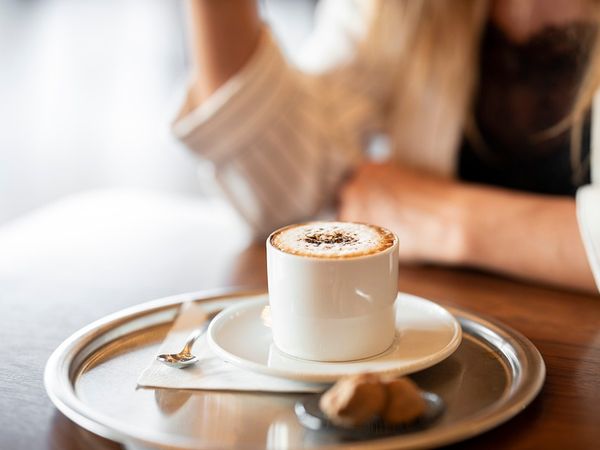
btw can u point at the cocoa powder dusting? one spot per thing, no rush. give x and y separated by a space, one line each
323 236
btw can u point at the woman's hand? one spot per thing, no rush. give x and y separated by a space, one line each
424 211
529 236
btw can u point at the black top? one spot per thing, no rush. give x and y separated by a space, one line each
525 89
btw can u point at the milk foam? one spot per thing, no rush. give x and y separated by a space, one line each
332 239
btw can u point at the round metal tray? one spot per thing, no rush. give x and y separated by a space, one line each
91 378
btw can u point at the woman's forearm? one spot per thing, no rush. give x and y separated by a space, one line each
527 236
445 221
223 36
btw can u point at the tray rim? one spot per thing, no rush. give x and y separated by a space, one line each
59 382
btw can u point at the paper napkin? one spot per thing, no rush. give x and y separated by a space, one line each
210 372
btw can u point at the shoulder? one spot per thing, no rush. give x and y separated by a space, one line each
341 26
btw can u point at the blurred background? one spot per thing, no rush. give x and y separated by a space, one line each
87 91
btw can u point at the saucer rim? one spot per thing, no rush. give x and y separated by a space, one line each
312 377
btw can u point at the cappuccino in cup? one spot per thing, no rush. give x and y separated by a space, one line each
332 288
332 239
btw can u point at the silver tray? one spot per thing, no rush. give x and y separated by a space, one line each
91 378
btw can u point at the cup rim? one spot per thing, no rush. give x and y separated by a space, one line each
393 247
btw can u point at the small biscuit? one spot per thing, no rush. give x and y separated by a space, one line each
404 402
354 400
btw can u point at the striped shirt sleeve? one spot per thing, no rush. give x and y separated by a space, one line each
281 139
588 216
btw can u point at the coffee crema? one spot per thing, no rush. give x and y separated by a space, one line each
332 240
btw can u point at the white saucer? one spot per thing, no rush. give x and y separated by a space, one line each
425 334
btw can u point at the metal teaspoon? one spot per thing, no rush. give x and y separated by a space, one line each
185 358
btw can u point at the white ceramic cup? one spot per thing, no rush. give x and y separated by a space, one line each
326 309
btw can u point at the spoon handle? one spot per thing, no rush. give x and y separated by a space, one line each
194 335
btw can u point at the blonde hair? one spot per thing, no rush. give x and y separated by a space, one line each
438 41
590 82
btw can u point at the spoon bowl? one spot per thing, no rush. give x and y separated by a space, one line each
179 360
185 358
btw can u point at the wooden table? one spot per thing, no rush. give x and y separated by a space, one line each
94 254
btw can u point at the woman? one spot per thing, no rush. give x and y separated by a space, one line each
486 107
